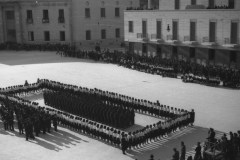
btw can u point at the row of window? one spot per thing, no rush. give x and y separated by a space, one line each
192 36
211 3
45 18
47 36
103 34
102 12
62 35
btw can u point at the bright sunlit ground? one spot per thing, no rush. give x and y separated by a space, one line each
215 107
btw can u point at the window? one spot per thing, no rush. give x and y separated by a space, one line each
177 4
192 31
159 29
175 30
88 35
234 33
45 16
29 17
62 35
231 4
144 29
10 15
117 32
46 36
193 2
103 34
130 26
233 56
211 4
61 16
103 13
211 54
87 13
212 32
30 36
29 14
117 12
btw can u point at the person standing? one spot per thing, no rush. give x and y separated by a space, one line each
175 155
183 151
198 154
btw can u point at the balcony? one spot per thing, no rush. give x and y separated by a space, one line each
206 42
29 21
142 36
45 20
170 40
228 44
156 38
195 7
187 41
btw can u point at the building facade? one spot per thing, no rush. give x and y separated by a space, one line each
203 31
99 21
78 22
44 21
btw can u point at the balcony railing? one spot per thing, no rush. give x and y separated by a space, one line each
186 38
142 36
195 7
139 35
61 20
227 43
44 20
29 21
169 37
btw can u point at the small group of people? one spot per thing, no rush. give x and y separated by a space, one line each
229 148
29 120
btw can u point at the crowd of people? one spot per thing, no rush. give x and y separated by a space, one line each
228 148
174 118
30 120
91 107
189 71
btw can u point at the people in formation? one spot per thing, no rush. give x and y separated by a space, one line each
39 118
190 72
29 119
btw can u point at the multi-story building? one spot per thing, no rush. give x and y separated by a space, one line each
79 22
203 31
99 21
26 21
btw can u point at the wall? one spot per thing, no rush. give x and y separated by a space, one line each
95 23
202 17
53 26
1 26
170 4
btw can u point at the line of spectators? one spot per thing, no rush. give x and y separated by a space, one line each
189 72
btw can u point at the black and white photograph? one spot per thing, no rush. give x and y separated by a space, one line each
119 79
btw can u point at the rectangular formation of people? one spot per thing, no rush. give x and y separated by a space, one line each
100 114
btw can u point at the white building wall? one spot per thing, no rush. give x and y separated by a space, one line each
202 17
170 4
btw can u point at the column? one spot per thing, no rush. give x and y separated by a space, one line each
149 4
